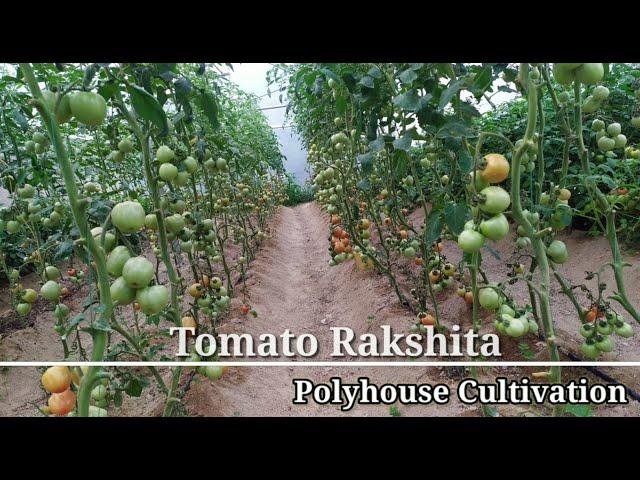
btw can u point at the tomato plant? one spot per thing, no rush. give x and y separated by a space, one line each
150 173
387 142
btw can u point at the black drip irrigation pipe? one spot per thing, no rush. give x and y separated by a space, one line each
605 376
597 372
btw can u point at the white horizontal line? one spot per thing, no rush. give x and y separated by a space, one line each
324 364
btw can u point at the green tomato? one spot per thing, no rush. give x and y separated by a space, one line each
168 171
95 411
496 200
587 330
55 217
181 179
164 154
39 137
597 125
604 343
489 298
409 252
191 164
590 73
499 326
116 260
600 93
589 350
30 146
625 330
533 326
213 372
557 251
29 295
138 272
175 223
52 273
23 308
88 108
564 73
51 290
470 241
151 222
221 164
606 144
152 299
41 147
516 328
620 140
109 238
437 287
614 129
128 217
99 392
223 302
506 310
13 226
125 145
496 227
63 113
590 105
61 311
603 327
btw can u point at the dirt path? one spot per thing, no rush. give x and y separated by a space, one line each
292 287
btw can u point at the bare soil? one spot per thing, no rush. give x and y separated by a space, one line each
292 286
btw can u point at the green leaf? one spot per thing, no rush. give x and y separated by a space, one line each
330 74
378 144
101 323
366 163
183 89
71 326
409 101
133 387
400 162
404 142
209 105
367 81
467 109
64 250
364 185
578 410
408 76
147 107
433 226
456 215
20 119
108 89
481 82
454 129
117 399
451 91
375 72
